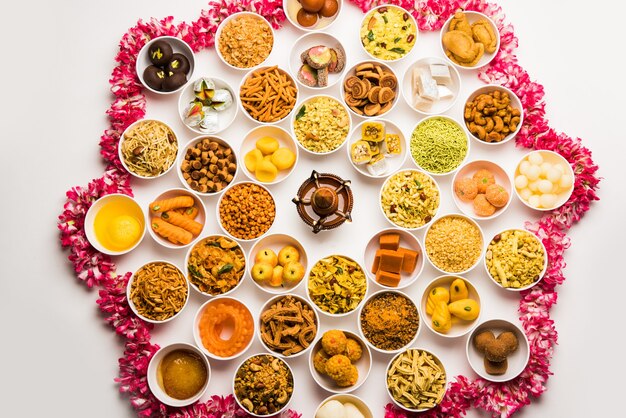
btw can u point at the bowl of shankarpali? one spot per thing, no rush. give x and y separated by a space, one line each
148 149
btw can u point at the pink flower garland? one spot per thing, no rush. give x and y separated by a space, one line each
96 269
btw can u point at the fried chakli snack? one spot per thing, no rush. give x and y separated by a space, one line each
371 90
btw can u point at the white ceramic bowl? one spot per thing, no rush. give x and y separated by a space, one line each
310 40
291 8
388 26
225 117
132 305
352 71
285 140
468 170
203 241
541 274
360 321
272 358
220 29
430 257
437 107
276 299
363 365
413 148
138 148
252 73
407 240
155 382
226 331
302 107
348 398
388 186
562 195
178 46
196 143
516 361
419 350
460 327
342 314
221 200
169 194
104 201
472 17
393 163
276 242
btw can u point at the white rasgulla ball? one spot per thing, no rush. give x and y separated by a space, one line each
545 167
544 186
533 186
521 181
525 193
535 158
331 409
566 181
555 188
554 175
523 167
534 201
547 200
533 172
352 411
560 167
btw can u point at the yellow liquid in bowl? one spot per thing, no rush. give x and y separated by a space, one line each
119 225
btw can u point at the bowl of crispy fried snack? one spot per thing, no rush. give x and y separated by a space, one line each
469 39
370 89
268 94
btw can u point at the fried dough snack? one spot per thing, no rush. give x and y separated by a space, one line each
465 43
371 90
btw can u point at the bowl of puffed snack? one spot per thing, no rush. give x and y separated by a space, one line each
244 40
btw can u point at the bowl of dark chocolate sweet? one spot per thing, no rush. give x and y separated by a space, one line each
165 64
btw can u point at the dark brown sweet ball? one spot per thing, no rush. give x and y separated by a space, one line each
496 351
178 64
509 340
154 76
496 368
483 339
160 52
174 81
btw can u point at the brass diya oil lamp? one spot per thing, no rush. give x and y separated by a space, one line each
324 201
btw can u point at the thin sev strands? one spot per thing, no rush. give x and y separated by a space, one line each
149 148
438 145
158 291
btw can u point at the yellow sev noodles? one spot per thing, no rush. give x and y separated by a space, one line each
149 148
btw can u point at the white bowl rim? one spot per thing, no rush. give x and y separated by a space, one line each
310 34
183 45
314 28
335 396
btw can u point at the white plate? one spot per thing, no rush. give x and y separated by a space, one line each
393 163
471 18
440 106
284 140
225 117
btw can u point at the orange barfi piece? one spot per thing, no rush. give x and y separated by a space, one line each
409 259
376 264
387 278
390 261
389 241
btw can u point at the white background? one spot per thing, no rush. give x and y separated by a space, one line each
60 358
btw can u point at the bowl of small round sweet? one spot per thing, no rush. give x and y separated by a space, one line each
516 259
544 180
389 321
176 217
207 105
178 374
377 148
215 265
493 114
244 40
317 60
370 89
287 325
246 211
454 243
312 15
388 33
148 149
269 153
431 86
165 64
278 263
439 145
207 165
223 328
451 306
498 350
115 224
272 82
405 373
343 405
340 361
469 40
263 385
393 258
482 189
157 292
